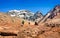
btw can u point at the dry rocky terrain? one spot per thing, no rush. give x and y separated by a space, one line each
13 27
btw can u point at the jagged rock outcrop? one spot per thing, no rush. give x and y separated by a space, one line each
37 16
51 14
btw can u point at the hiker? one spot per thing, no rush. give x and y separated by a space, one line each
36 23
22 23
29 22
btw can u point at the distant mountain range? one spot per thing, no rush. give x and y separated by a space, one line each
36 17
25 14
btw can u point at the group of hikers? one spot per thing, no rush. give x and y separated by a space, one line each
28 23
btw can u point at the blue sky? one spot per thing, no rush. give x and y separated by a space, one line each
33 5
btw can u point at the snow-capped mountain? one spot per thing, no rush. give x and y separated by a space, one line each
26 14
21 13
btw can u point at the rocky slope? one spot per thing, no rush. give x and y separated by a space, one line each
51 26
